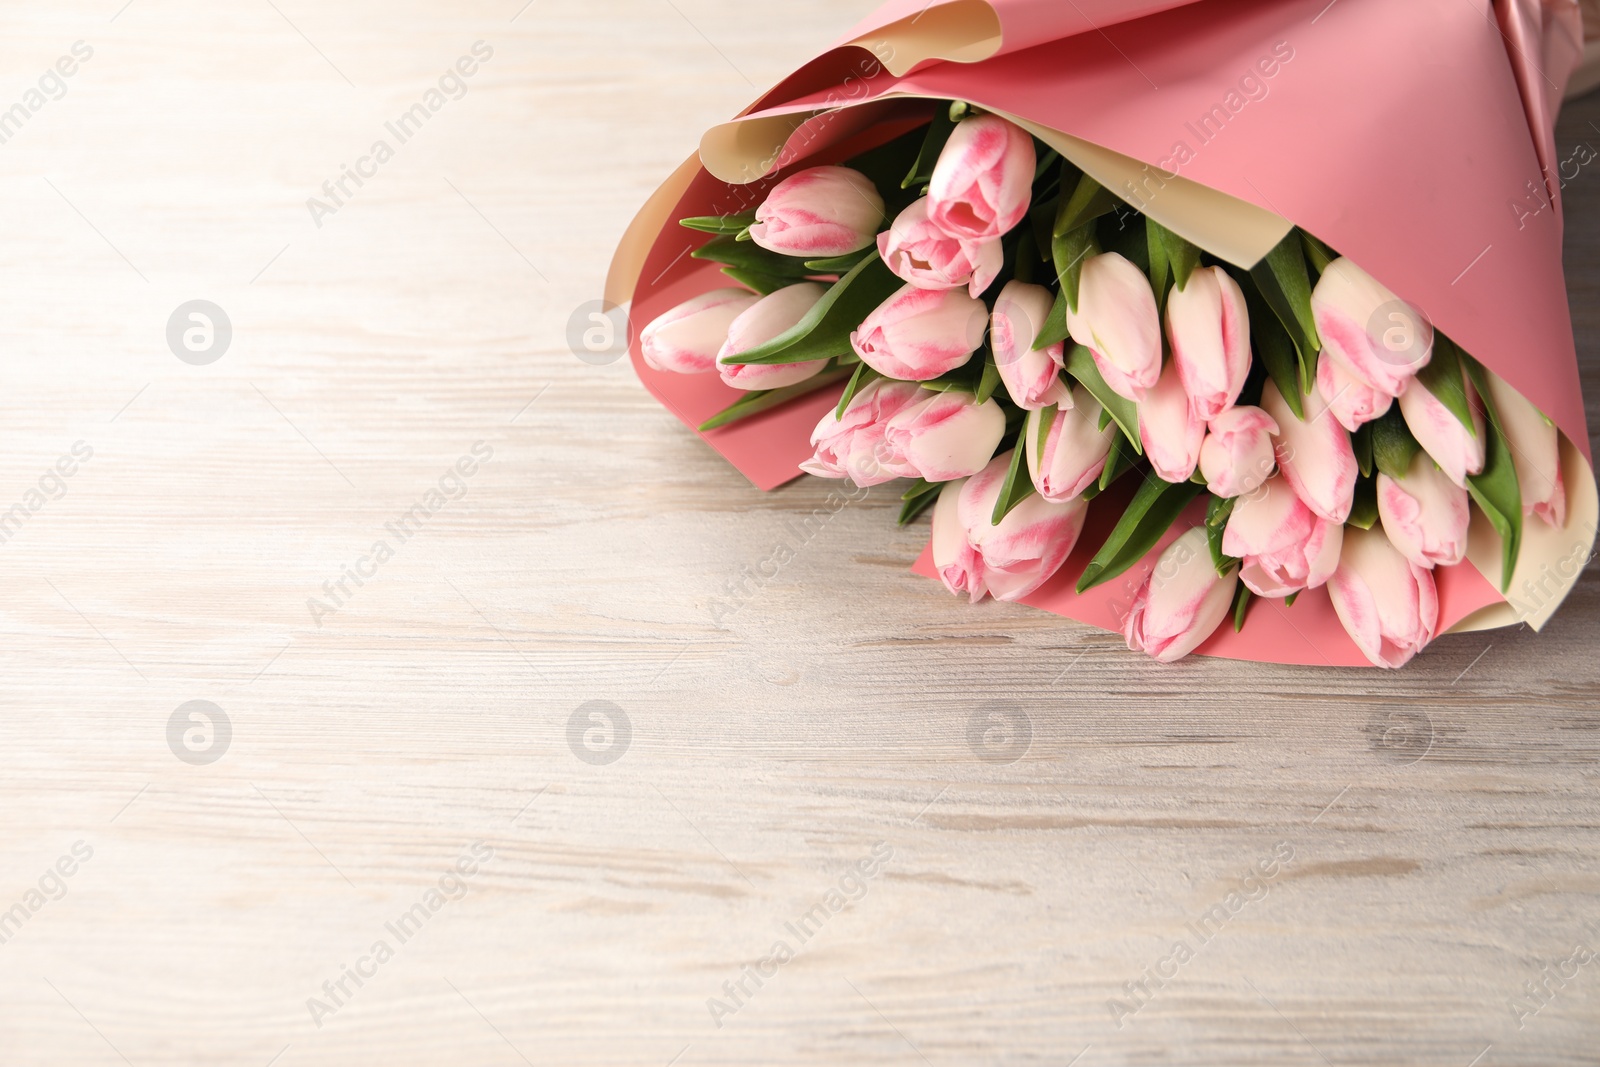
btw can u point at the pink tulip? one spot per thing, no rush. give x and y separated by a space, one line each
1007 561
1425 514
1073 453
1237 453
1350 400
1458 451
1281 545
949 435
927 257
1376 336
1117 322
760 323
1388 605
918 334
983 180
1030 376
687 338
1535 451
1314 454
1181 602
818 213
853 446
1209 329
1168 428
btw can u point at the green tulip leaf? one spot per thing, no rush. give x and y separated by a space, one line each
1153 510
1241 604
858 381
1016 488
1361 443
1272 345
758 400
1119 461
1217 512
1393 446
841 264
1442 376
1318 253
1283 282
747 255
1054 328
1179 256
1069 251
759 281
1080 364
728 224
1089 200
1496 489
1364 507
825 330
933 142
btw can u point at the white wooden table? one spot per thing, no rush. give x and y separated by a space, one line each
1434 834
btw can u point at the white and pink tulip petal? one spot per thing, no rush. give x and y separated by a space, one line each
1388 605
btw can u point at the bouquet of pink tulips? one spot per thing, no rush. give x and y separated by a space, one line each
1106 417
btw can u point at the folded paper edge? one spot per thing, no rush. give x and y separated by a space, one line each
627 262
1551 560
1236 230
964 31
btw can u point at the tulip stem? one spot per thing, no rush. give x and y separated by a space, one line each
1241 604
757 401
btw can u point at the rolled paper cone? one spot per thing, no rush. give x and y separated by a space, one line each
1229 126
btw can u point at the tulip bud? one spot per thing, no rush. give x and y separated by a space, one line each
760 323
949 435
1379 338
1237 455
1458 451
1350 400
818 213
1209 329
1315 454
1425 514
918 334
1073 453
927 257
1389 606
1168 428
1181 602
1536 452
1117 322
1030 376
1009 560
852 446
983 179
1281 545
687 338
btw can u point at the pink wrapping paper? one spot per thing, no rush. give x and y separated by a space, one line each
1307 632
1414 138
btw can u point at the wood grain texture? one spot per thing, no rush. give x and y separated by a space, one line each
1442 823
